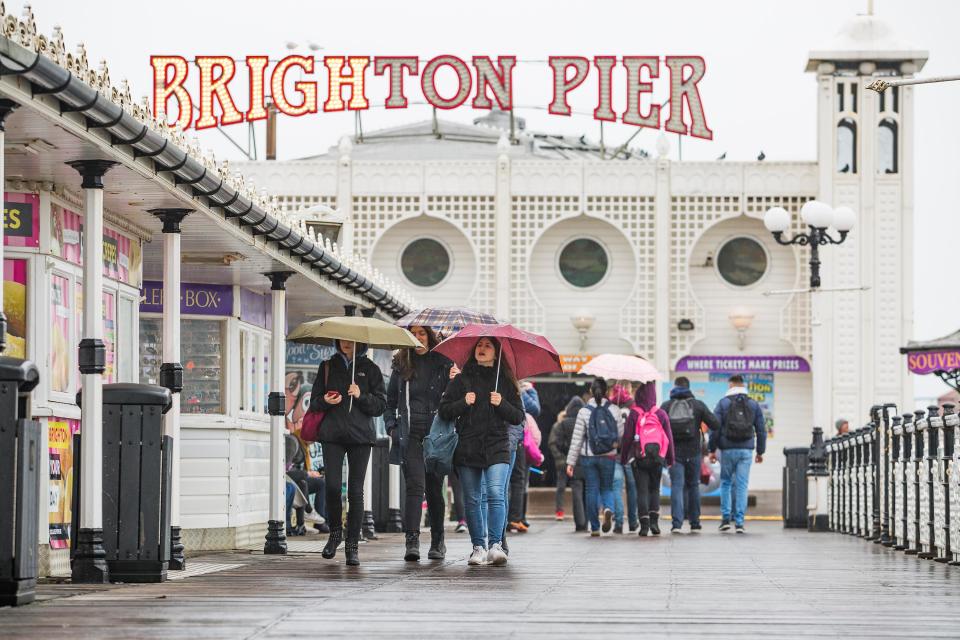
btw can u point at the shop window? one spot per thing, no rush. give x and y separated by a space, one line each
887 146
126 350
425 262
109 311
583 262
255 371
61 360
847 146
15 306
200 356
741 261
151 350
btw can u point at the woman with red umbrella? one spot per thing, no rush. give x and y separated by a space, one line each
484 400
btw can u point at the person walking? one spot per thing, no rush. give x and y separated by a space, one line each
741 430
417 382
519 466
559 441
347 432
484 400
647 445
621 396
686 414
596 434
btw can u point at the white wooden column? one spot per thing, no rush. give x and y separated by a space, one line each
89 563
276 539
662 222
171 371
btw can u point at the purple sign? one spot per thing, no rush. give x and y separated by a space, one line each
195 298
924 362
743 364
255 308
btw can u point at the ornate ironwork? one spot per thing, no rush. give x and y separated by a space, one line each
815 238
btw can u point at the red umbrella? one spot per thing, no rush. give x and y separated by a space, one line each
528 354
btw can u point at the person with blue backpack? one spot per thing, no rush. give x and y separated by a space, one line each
741 430
647 445
596 436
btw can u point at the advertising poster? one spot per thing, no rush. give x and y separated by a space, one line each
21 222
15 306
60 359
760 388
60 442
121 254
110 336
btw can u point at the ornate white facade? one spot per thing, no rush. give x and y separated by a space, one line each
504 211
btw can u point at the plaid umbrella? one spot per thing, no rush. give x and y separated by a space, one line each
446 320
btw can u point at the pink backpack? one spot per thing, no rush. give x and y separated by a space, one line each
650 438
531 441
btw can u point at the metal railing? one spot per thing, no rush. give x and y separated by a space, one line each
895 482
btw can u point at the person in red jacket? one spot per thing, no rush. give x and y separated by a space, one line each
647 472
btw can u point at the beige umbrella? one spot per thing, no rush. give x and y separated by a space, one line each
374 333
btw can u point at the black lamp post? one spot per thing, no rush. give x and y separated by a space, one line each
818 217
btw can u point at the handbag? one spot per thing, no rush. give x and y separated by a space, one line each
312 420
439 445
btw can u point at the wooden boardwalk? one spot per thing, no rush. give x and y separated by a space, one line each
769 583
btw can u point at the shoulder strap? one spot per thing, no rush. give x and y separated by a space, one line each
408 400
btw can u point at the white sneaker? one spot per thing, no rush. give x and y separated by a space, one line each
496 556
313 517
478 557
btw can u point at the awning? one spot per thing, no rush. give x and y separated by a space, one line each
940 356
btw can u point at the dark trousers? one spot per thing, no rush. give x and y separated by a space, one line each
519 479
419 483
309 485
685 490
647 475
456 510
358 456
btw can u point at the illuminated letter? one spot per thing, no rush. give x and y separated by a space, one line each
358 100
396 66
307 89
501 83
210 88
681 90
162 88
256 64
427 82
635 87
604 111
561 85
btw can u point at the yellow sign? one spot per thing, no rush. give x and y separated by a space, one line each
572 363
58 435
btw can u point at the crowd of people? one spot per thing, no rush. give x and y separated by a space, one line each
605 443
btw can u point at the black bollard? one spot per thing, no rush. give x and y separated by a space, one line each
886 475
903 500
930 489
876 481
913 484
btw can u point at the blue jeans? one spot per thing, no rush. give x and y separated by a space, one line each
621 477
484 502
290 493
598 473
735 474
685 491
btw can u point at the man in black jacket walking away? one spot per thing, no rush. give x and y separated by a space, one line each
686 414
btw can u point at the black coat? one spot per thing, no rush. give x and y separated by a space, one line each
431 374
691 448
340 424
482 427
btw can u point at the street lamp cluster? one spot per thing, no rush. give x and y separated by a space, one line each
818 216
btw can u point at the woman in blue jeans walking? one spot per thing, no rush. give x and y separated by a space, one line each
483 408
598 467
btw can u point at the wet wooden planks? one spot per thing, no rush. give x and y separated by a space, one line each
770 583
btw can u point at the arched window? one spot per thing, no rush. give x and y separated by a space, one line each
887 146
847 146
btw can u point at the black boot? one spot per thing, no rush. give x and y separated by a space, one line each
412 553
654 523
351 550
438 550
333 541
644 526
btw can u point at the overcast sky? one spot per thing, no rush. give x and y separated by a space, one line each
755 93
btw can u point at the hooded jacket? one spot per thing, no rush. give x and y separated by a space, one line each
580 442
482 427
561 434
341 424
701 415
645 398
758 441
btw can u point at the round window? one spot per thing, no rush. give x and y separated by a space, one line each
742 261
583 262
425 262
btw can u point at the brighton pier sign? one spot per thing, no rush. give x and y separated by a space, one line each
483 79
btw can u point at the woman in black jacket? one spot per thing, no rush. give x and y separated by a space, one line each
351 398
484 408
417 382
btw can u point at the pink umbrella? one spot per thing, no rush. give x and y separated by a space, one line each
617 366
528 354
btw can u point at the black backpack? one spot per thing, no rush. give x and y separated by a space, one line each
602 432
683 422
740 416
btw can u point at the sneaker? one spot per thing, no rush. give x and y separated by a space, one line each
607 522
724 525
676 529
696 527
478 557
496 556
560 514
517 527
740 529
618 529
314 517
461 527
594 534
